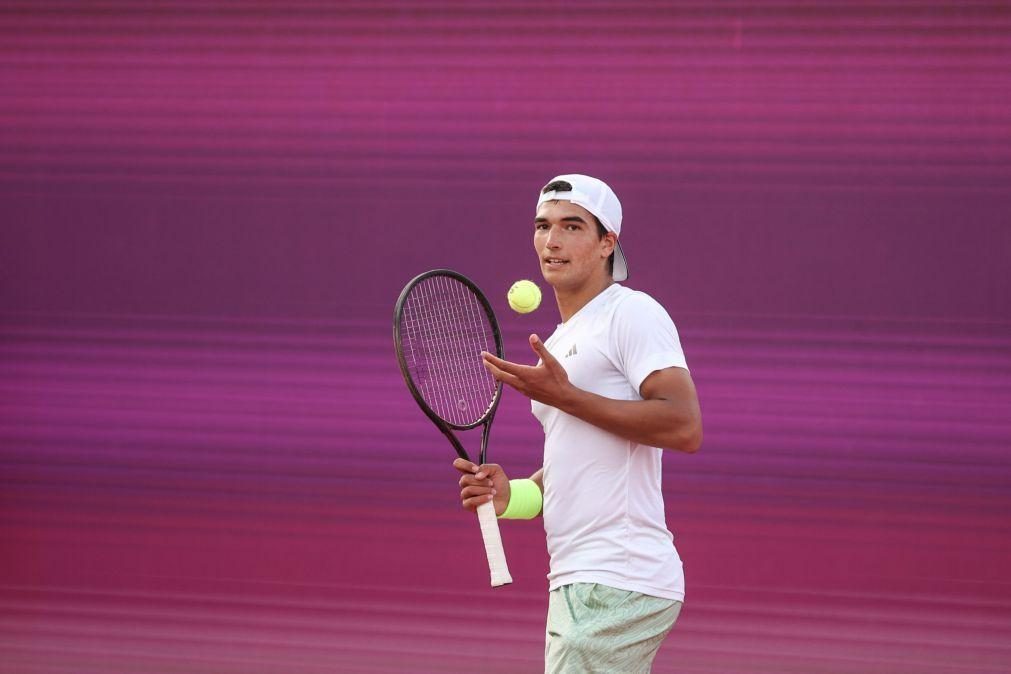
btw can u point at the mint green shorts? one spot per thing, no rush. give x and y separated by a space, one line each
596 628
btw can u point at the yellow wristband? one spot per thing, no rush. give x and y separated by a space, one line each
525 500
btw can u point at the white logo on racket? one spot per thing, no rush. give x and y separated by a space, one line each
462 404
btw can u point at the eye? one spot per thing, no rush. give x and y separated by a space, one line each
572 227
540 225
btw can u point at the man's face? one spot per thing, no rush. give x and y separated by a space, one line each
571 252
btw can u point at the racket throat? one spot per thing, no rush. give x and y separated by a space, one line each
456 443
486 431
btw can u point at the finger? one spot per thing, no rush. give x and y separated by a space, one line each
473 480
465 466
542 351
504 377
504 365
547 359
471 492
473 503
488 470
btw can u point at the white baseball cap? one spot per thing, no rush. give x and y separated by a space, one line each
595 196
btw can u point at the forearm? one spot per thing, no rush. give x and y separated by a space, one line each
538 479
524 498
667 424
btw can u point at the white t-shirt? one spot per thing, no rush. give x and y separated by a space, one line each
603 508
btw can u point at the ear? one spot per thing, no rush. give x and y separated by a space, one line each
608 244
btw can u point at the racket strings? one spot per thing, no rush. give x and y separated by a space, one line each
453 334
447 351
444 328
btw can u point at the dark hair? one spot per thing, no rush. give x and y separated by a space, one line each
563 186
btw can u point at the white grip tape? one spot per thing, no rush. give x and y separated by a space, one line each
493 545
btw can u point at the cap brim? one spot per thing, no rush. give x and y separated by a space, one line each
620 266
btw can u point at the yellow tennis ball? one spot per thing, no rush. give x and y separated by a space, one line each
524 296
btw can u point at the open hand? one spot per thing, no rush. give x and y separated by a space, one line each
545 382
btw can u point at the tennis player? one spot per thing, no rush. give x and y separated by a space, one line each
612 390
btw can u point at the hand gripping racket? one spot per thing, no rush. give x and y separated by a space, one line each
441 324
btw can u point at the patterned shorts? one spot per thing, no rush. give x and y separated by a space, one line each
596 628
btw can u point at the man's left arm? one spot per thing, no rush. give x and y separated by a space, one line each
668 416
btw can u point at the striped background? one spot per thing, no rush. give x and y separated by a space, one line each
208 462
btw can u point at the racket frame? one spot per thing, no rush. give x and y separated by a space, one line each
441 423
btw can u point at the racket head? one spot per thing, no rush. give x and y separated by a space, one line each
441 323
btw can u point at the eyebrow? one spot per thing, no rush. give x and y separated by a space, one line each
569 218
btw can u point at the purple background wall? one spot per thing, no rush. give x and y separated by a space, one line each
208 462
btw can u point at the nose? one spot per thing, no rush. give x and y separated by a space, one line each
551 241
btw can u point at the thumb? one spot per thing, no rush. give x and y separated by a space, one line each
464 466
538 346
489 470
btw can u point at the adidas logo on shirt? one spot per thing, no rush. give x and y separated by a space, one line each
572 351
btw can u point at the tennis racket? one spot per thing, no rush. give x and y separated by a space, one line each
441 324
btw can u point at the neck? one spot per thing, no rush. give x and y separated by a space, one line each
571 301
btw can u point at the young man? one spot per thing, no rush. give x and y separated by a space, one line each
611 390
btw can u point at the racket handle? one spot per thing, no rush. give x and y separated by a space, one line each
493 545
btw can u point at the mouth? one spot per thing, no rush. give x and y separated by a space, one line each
555 262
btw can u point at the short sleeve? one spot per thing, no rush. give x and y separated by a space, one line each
645 338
